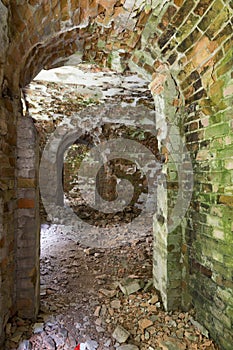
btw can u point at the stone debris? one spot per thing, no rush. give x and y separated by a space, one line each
89 307
120 334
145 323
130 286
25 345
127 347
38 328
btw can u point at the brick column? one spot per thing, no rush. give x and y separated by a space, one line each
28 232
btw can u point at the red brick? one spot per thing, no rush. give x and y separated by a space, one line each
25 203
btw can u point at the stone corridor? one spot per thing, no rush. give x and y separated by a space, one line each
163 99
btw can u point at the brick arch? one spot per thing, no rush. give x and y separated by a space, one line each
44 33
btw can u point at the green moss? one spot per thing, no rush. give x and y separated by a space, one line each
226 64
187 28
217 130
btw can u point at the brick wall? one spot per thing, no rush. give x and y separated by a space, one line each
192 40
8 211
28 224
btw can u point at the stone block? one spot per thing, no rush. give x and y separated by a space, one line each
120 334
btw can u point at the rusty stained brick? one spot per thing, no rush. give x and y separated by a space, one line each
142 20
178 3
46 8
2 242
201 53
202 6
7 172
226 199
34 2
25 203
19 24
65 10
108 5
166 19
74 5
195 265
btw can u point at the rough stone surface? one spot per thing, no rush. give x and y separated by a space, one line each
127 347
120 334
4 40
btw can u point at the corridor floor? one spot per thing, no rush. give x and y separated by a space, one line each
102 298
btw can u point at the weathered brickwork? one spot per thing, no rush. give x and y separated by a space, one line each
184 48
28 228
8 206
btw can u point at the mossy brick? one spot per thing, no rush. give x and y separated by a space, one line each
217 130
226 64
222 272
166 36
217 118
169 48
225 295
217 23
187 28
228 261
228 45
202 6
212 13
194 76
229 234
185 71
224 319
197 96
183 12
189 41
149 30
26 183
226 152
172 58
226 340
223 34
220 247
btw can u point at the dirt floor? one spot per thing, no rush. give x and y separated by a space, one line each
102 299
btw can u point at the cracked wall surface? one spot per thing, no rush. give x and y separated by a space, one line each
186 44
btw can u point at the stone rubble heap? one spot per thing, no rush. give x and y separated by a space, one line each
135 321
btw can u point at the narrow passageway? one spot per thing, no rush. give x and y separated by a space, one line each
115 174
99 296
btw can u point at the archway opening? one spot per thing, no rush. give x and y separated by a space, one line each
126 258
